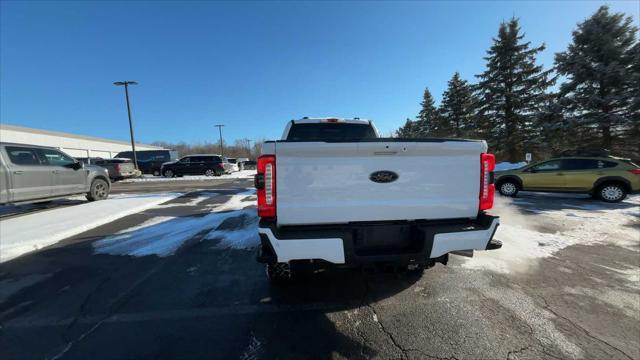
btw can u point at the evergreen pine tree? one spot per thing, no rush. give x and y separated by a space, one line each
600 69
409 130
632 136
457 107
512 91
426 123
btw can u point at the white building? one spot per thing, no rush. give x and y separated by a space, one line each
74 145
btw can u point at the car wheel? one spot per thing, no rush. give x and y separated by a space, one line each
99 190
508 188
279 271
168 173
416 270
210 172
156 172
612 192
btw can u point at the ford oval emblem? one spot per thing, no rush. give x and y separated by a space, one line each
383 176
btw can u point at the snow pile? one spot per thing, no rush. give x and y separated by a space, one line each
163 237
509 166
578 224
31 232
245 237
244 174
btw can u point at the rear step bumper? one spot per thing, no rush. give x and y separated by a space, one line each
360 243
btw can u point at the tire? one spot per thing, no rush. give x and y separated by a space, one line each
99 190
612 192
508 188
169 173
210 172
416 271
156 172
279 271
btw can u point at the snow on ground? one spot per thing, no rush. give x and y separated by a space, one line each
30 232
162 237
509 166
244 237
244 174
576 222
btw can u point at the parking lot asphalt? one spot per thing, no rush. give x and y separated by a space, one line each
206 300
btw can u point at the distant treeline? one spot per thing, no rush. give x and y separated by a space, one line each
241 148
596 105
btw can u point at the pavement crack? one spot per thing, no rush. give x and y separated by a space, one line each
83 307
512 353
395 343
116 304
585 331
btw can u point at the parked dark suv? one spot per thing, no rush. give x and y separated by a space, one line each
150 161
198 164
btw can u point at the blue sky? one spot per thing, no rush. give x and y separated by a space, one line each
249 65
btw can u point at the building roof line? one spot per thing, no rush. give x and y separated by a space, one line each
74 136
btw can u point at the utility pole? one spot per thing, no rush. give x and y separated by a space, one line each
126 93
219 126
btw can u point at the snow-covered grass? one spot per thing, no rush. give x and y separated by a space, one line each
30 232
244 174
509 166
163 236
554 224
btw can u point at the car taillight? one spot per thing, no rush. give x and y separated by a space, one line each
487 189
265 182
117 166
221 165
634 171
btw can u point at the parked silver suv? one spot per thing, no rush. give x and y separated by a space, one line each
30 173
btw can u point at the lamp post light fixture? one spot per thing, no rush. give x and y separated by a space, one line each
219 126
126 93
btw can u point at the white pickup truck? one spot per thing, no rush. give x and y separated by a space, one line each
332 190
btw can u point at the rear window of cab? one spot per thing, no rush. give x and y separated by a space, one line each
330 131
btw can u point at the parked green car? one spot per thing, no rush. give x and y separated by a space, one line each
607 178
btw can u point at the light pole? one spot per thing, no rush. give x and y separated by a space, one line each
126 93
219 126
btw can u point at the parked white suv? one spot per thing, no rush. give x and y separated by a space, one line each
331 190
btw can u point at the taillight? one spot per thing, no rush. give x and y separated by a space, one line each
266 186
634 171
221 165
117 166
487 189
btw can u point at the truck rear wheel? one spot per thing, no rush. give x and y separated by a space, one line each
99 190
278 271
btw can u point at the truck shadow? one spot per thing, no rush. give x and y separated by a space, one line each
224 307
314 305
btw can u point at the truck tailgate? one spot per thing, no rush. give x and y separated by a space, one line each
329 183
